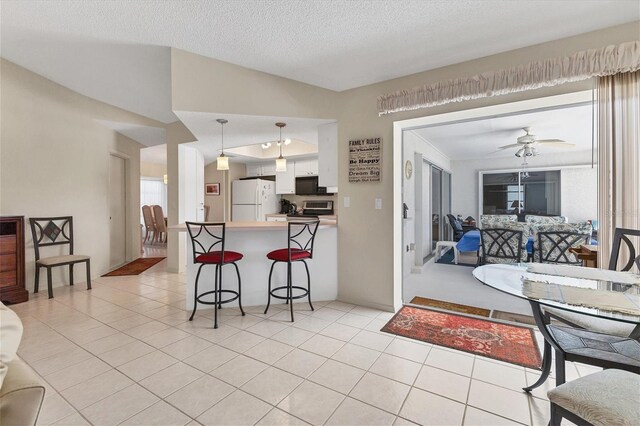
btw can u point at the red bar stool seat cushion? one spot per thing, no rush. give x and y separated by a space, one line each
282 255
216 257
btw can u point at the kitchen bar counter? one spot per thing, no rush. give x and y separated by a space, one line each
328 217
254 267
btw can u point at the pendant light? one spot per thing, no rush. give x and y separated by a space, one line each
223 161
281 162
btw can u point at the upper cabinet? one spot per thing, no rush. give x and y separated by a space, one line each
306 167
327 166
261 169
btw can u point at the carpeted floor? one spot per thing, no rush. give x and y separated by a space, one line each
509 343
134 268
449 306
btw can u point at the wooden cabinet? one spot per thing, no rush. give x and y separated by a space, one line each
12 285
286 181
306 167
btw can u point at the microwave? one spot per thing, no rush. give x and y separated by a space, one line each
307 185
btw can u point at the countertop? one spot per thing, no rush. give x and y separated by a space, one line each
255 226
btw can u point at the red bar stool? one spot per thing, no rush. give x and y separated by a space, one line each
301 235
205 239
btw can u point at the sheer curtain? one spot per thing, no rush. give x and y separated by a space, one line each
618 158
152 191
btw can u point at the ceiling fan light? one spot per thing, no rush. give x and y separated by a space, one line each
266 145
520 152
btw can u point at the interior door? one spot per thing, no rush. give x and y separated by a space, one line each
427 218
117 211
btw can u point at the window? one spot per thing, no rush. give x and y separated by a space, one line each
152 191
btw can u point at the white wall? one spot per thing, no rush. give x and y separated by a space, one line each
55 162
464 182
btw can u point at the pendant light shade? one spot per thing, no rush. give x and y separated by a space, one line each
223 161
281 162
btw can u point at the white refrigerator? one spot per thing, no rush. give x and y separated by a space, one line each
253 199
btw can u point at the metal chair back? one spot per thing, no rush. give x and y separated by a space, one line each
622 235
301 235
51 231
500 245
553 246
206 237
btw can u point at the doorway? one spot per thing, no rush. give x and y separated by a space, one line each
117 211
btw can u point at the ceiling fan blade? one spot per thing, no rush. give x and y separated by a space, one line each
565 144
513 145
550 141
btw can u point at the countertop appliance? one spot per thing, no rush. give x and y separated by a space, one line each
253 199
315 208
308 185
287 207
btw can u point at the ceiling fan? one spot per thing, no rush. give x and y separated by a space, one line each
528 143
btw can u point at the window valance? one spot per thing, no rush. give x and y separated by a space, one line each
581 65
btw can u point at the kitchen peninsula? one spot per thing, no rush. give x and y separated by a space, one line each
254 240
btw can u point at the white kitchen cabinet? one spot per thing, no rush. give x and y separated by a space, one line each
282 218
261 169
306 167
328 156
268 169
286 181
254 169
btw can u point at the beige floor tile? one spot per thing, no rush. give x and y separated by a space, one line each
311 323
341 306
239 370
119 406
403 422
475 417
214 335
377 325
108 343
293 336
195 398
301 363
337 376
77 373
277 417
380 392
93 390
147 365
74 419
354 320
165 337
54 408
123 354
399 369
239 408
322 345
340 332
210 358
146 329
91 335
328 314
241 322
272 385
353 412
442 382
503 402
269 351
540 391
357 356
241 341
186 347
130 322
160 414
311 403
267 328
451 361
512 377
540 412
60 361
410 350
428 409
169 380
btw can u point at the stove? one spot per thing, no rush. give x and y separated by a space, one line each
317 208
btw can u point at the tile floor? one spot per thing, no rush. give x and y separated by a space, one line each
124 353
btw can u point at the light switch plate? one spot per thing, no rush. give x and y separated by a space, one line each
347 201
378 204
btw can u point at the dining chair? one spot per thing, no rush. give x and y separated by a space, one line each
161 225
458 232
149 225
52 231
503 242
553 243
620 236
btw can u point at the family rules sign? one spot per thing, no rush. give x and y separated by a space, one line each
365 160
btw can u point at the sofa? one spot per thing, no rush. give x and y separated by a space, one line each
21 390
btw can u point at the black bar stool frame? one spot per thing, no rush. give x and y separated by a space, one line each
300 238
204 239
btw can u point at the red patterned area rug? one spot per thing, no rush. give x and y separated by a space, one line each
508 343
136 267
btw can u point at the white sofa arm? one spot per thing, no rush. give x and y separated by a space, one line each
21 395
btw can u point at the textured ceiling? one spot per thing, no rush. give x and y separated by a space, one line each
116 51
481 138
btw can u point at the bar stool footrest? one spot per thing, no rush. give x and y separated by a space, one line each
205 302
284 287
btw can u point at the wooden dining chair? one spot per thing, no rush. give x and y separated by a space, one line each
149 224
161 226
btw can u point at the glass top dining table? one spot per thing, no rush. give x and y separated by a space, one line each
595 292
